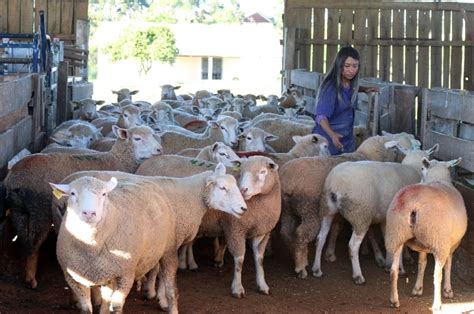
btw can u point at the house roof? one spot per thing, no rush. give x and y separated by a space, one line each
257 18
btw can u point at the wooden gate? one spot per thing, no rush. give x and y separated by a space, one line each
61 16
422 44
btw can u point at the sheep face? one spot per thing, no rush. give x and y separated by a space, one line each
142 139
167 91
223 193
255 139
87 198
224 154
124 93
228 128
434 170
87 108
311 145
256 174
129 117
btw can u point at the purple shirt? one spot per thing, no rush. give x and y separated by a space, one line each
340 116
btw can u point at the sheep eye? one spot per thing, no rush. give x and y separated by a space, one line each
222 154
223 128
223 188
73 193
249 138
137 139
103 194
68 145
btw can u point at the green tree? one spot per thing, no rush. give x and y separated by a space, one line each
145 45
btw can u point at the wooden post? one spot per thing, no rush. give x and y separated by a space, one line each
424 114
62 105
289 54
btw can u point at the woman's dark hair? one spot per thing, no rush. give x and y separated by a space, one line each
334 74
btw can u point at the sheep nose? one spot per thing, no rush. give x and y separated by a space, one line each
244 190
89 214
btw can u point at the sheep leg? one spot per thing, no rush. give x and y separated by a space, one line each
354 245
330 253
303 235
82 294
447 289
220 247
237 249
167 287
182 257
149 289
394 301
407 256
438 276
379 259
321 239
106 295
258 246
117 300
96 297
418 288
192 265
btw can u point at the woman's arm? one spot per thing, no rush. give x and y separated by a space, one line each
334 136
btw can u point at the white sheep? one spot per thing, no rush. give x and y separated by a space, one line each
29 194
75 133
361 192
255 140
305 146
429 217
124 93
113 234
302 181
87 108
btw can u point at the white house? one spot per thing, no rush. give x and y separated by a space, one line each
244 58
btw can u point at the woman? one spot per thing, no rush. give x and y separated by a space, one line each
336 101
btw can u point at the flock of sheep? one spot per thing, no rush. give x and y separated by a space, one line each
128 188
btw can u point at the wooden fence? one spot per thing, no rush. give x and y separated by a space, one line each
416 43
61 17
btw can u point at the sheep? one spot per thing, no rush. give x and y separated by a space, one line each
28 191
302 181
75 133
129 117
167 91
260 186
56 148
87 108
305 146
429 217
224 129
252 112
284 129
124 93
255 140
271 99
355 190
114 234
191 198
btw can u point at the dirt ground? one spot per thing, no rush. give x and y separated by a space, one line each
208 290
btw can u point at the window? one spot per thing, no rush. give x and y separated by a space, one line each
217 68
204 68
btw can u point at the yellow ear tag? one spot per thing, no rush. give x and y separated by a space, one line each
58 194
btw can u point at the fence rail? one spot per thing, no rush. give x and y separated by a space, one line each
422 44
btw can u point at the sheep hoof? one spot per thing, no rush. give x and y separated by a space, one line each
317 273
302 274
359 280
163 309
380 262
31 283
330 257
436 308
395 304
416 292
265 292
238 295
448 293
219 264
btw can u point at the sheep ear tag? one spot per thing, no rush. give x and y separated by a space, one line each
57 193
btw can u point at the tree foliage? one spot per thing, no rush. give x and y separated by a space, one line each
145 45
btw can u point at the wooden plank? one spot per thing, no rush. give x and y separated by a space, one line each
14 17
423 52
289 48
403 119
54 17
15 93
67 17
382 4
410 52
27 18
81 8
452 148
384 58
469 53
304 60
318 33
391 42
41 5
15 139
425 100
436 61
332 32
82 33
372 33
3 16
449 104
63 97
347 19
306 79
360 17
446 49
456 52
12 118
397 50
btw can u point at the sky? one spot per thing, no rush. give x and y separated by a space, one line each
270 7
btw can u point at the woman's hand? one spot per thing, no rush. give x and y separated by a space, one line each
335 140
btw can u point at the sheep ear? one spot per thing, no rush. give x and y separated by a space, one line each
60 190
214 146
270 137
177 87
57 141
426 162
281 109
119 132
111 184
220 169
454 162
196 110
213 124
217 112
99 102
385 133
390 144
315 139
433 149
134 92
244 124
298 138
114 92
273 166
